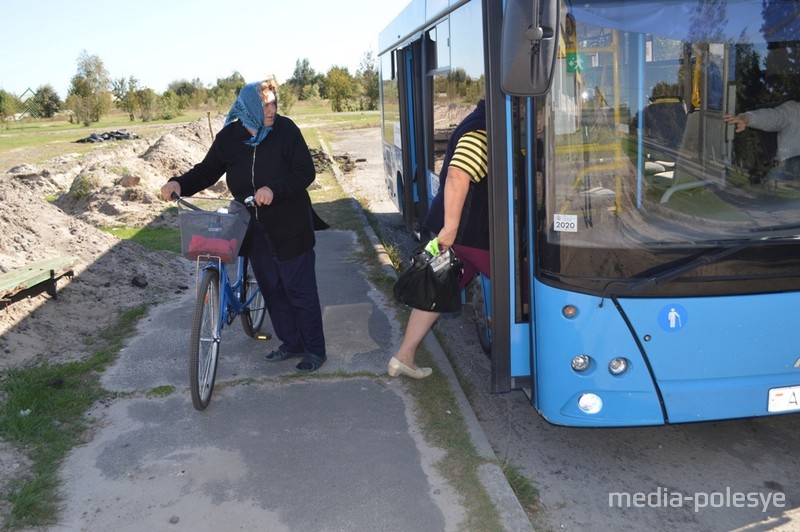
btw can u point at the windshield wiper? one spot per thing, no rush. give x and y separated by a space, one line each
668 274
771 228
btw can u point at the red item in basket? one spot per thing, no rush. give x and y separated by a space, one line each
200 246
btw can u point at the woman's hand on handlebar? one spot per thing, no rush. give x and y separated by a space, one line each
169 188
264 196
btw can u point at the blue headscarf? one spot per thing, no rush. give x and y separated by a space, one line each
249 110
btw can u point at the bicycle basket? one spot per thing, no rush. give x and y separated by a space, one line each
216 233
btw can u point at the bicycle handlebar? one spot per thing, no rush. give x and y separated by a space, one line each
249 201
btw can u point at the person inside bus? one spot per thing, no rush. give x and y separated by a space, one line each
785 121
459 216
264 155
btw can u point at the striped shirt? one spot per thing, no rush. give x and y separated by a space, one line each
472 154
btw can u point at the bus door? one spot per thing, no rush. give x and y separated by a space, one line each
412 190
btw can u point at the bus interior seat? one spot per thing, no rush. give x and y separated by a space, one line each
664 121
689 170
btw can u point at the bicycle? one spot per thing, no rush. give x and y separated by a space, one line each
212 238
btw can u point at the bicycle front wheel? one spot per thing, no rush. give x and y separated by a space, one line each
205 338
253 315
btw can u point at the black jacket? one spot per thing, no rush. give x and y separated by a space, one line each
282 162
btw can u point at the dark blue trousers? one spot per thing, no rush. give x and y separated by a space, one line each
290 292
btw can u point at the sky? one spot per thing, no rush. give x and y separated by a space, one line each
161 41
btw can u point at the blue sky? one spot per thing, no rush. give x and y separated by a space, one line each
160 41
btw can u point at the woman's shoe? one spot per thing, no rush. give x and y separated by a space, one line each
397 368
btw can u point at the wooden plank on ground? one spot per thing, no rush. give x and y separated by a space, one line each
30 275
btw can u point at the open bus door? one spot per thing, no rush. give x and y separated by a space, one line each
412 192
521 53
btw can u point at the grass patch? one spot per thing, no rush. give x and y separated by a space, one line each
39 140
319 113
526 492
43 413
333 205
155 238
112 121
524 489
161 391
443 426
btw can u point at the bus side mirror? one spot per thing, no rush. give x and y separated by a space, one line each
529 45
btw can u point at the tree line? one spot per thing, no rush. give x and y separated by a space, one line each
93 93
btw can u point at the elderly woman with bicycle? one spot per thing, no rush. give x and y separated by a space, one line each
264 155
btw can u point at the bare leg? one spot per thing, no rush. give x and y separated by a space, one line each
419 323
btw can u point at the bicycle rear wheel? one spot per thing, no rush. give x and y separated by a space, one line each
253 315
205 338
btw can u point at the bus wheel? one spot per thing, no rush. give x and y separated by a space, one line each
483 321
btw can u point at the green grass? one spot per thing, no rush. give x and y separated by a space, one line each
320 115
524 489
157 238
43 413
112 121
443 426
39 140
161 391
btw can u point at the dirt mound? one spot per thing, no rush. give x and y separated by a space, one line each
179 150
112 186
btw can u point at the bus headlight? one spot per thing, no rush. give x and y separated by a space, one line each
618 366
581 362
590 403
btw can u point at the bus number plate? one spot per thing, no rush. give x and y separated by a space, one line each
565 222
784 399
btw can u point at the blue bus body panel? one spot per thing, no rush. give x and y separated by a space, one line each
521 358
601 333
718 357
707 358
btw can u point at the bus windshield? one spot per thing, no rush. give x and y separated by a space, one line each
643 167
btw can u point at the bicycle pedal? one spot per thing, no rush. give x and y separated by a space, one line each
264 336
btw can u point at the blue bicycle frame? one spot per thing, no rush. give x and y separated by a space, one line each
230 304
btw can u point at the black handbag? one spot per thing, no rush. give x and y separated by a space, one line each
431 283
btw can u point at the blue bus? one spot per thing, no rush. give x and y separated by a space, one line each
645 255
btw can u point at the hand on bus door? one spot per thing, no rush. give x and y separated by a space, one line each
740 121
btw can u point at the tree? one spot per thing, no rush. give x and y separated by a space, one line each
169 102
88 96
305 81
125 94
367 79
286 99
47 101
226 89
9 105
146 99
339 85
190 93
182 87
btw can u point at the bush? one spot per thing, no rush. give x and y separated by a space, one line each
82 186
